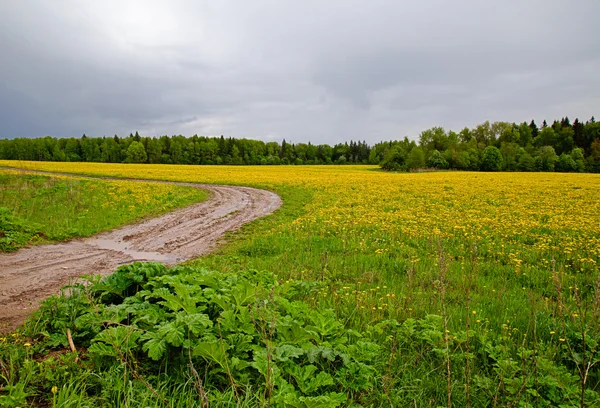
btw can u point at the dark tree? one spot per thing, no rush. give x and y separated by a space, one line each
534 128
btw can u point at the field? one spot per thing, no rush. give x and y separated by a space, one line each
432 289
39 209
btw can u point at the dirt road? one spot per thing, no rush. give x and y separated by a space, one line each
34 273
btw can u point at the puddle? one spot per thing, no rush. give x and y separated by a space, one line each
123 247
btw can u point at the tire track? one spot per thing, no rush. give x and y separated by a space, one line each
34 273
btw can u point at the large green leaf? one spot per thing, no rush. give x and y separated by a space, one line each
213 352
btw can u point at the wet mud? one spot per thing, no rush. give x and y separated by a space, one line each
34 273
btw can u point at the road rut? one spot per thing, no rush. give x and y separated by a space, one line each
37 272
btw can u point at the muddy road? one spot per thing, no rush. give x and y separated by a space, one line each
34 273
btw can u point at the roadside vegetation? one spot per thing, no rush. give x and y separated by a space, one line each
366 288
40 209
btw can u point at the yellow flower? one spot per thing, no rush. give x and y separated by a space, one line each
376 212
27 344
54 389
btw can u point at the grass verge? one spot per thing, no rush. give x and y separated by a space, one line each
38 208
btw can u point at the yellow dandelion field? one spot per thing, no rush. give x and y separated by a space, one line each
503 264
508 215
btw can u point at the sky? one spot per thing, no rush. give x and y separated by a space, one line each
306 70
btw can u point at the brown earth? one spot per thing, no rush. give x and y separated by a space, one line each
35 273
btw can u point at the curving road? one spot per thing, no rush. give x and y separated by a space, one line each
34 273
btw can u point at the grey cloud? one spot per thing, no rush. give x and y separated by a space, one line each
310 70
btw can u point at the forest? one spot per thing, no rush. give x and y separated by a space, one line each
499 146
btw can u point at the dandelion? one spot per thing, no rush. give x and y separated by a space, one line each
54 389
384 212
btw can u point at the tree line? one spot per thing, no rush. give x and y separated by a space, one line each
498 146
181 150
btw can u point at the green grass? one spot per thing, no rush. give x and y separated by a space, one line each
512 340
38 209
527 344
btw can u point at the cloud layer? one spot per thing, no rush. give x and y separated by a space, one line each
307 70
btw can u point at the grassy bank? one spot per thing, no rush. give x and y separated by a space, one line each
37 209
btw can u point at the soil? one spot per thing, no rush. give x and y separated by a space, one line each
37 272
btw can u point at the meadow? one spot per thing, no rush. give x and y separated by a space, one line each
41 209
365 289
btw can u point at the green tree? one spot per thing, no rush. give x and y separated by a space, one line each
491 159
58 154
526 162
577 155
591 132
525 134
471 157
154 150
546 158
465 135
437 161
534 129
434 139
483 133
72 150
415 159
546 137
136 153
111 152
593 161
235 156
564 140
510 153
566 164
176 150
394 160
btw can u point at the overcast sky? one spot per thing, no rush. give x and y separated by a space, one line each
319 71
